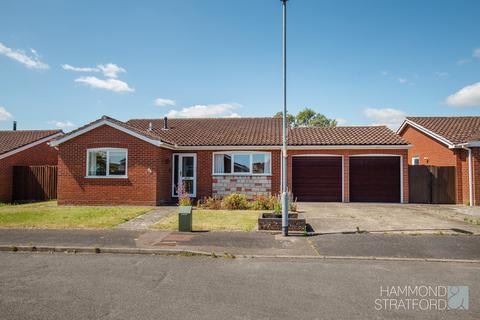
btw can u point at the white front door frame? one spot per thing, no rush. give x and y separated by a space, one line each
179 172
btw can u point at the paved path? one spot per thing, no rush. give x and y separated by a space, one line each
399 246
254 243
67 286
146 220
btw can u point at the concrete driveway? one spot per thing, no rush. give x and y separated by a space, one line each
388 218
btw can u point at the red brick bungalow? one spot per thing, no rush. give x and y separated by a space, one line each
448 141
143 161
23 148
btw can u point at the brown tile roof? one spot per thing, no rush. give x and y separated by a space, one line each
11 140
455 129
345 135
215 131
196 132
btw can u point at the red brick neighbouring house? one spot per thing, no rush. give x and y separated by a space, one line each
23 148
448 141
142 161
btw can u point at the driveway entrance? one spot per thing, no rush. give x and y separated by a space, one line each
390 218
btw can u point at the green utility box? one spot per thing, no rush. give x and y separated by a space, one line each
185 218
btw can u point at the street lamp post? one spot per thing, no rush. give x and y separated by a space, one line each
284 138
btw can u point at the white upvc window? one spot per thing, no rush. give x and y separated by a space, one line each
242 163
107 163
415 160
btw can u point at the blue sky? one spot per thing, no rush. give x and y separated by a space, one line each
66 63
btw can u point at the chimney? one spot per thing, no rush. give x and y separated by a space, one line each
14 125
150 126
165 123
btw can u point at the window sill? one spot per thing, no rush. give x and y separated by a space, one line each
106 177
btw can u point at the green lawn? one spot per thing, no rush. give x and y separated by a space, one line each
49 215
233 220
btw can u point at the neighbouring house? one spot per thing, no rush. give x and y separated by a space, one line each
448 141
24 148
142 161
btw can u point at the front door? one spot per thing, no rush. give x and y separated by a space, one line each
184 167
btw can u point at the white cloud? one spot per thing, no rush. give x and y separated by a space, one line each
476 53
402 80
109 84
462 62
206 111
4 114
79 69
386 116
468 96
61 124
111 70
32 62
341 121
160 102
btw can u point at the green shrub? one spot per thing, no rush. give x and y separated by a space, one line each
264 203
235 201
210 203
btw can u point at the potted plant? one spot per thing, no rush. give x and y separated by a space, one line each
185 210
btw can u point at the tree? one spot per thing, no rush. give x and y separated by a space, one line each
290 118
308 118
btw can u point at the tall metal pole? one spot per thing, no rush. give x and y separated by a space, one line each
284 146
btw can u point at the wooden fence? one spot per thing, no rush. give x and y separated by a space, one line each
34 183
430 184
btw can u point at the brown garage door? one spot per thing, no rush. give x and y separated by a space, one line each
317 179
374 179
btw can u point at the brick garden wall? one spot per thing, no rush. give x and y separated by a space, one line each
41 154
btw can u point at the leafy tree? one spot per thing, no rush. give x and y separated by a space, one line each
308 118
290 118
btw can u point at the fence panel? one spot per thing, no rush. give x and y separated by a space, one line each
34 183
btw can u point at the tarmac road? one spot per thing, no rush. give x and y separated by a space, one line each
116 286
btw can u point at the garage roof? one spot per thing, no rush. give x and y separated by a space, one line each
13 140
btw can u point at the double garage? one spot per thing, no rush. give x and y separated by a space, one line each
375 178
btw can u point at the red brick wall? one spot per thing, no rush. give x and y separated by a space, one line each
147 171
440 155
346 154
424 146
41 154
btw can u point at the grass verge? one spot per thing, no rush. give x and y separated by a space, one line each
215 220
50 215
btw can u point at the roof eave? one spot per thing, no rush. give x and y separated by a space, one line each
113 125
426 131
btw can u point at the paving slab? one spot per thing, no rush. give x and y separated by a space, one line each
401 246
381 217
66 237
145 221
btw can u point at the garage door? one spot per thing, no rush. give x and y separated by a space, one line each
374 179
317 179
